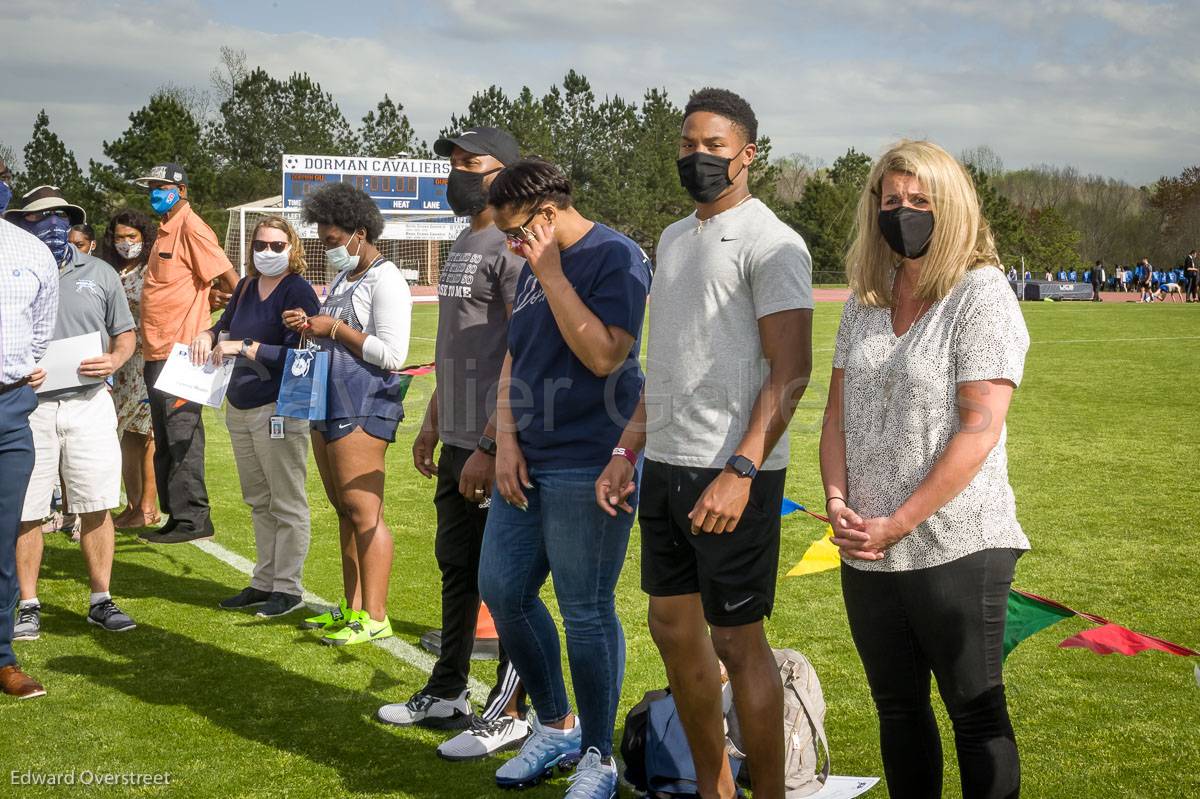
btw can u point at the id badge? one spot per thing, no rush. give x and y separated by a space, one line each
277 427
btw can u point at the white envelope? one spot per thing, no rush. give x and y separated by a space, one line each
62 358
203 384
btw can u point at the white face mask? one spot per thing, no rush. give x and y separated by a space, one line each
270 263
339 258
129 249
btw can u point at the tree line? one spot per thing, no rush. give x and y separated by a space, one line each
619 153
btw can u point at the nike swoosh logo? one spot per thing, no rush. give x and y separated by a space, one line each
344 426
730 608
377 632
725 238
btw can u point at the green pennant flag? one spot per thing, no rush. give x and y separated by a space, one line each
1028 615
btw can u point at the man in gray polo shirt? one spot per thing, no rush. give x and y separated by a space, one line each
75 429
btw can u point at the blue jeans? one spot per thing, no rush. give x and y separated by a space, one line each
16 466
564 534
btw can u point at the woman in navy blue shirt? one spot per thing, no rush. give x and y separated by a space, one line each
271 451
569 384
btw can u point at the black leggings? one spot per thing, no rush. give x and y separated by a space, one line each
947 621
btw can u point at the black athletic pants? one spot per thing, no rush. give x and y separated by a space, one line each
947 621
460 527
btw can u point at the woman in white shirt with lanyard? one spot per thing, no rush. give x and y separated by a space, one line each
364 325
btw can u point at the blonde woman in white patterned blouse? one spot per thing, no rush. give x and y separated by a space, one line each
930 348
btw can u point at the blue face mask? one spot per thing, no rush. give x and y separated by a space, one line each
163 200
5 196
52 230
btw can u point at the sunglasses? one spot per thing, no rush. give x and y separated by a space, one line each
36 216
276 246
521 233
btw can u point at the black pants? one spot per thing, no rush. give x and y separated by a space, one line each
178 457
460 527
949 621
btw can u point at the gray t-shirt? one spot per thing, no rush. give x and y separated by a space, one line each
476 284
90 298
900 411
712 283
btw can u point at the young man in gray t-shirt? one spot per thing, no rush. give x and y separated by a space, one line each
476 287
729 355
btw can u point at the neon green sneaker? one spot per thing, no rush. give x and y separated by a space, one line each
360 628
334 618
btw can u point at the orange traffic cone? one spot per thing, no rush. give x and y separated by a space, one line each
485 627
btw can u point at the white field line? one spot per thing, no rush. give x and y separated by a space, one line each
417 658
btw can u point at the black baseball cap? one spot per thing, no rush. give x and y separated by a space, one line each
495 142
163 173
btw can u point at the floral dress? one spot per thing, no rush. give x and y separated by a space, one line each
129 387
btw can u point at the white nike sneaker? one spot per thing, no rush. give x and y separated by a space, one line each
428 711
485 737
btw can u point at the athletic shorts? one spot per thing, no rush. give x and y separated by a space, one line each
77 437
734 573
376 426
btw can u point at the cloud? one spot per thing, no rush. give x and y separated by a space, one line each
1108 85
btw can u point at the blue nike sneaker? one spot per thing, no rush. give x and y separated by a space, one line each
595 777
544 749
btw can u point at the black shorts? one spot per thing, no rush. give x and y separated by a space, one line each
734 573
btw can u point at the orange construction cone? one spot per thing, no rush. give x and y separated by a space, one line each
485 627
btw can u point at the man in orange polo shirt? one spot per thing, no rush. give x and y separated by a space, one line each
185 261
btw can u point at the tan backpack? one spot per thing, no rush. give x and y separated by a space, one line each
803 727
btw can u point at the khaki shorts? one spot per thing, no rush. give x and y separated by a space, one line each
76 436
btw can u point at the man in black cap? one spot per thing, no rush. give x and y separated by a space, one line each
475 296
75 426
185 261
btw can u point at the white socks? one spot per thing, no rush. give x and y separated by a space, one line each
98 597
29 603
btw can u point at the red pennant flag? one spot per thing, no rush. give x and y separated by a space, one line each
1113 639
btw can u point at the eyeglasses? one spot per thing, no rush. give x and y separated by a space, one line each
276 246
35 216
522 233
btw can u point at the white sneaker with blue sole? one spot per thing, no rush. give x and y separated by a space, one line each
543 750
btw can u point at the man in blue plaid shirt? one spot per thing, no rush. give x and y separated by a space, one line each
28 304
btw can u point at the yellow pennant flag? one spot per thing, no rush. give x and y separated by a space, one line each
821 555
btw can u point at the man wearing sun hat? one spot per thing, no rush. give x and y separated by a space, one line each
185 261
75 428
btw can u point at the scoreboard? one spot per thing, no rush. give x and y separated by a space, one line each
397 185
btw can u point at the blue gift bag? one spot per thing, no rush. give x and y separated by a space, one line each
305 385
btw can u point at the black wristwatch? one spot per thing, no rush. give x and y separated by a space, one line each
487 445
741 466
246 342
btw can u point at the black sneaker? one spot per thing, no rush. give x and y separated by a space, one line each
248 598
106 614
178 536
280 604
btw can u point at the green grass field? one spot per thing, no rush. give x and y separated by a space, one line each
1104 461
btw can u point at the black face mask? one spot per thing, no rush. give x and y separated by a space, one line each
907 230
705 176
464 191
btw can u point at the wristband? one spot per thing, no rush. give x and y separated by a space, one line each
831 499
333 330
627 454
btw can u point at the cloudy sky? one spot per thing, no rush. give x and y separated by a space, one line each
1109 86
